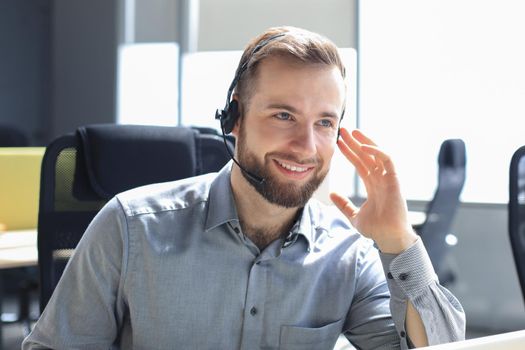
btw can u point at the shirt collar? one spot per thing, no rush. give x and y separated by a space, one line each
221 204
222 209
304 226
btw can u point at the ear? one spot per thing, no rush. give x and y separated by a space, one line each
236 126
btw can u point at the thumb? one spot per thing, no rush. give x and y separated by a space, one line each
344 204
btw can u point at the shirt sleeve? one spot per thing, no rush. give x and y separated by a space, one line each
369 322
410 276
86 308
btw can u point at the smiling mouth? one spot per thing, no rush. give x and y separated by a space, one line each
293 168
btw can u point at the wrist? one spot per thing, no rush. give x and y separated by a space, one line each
396 244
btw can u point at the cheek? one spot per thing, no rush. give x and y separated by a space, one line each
272 137
326 151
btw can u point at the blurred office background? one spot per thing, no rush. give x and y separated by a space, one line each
421 71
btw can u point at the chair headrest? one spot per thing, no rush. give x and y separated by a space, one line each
120 157
452 154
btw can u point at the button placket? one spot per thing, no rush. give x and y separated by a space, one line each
255 296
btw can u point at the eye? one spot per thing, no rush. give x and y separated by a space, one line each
283 116
326 123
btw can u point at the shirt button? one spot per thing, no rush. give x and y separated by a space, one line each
402 334
403 276
253 311
389 275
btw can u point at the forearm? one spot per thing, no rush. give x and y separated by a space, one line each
421 307
415 327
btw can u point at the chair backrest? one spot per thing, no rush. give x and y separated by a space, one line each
516 212
442 208
82 171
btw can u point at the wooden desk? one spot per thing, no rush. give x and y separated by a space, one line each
18 249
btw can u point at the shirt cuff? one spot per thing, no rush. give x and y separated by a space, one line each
408 274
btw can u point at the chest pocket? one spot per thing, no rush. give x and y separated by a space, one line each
301 338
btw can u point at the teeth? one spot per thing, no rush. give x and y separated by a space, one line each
293 167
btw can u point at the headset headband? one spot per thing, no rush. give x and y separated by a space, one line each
241 69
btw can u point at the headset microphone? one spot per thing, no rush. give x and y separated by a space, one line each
229 115
251 175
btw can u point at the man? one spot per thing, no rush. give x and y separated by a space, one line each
245 259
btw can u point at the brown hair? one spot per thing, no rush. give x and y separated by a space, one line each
293 43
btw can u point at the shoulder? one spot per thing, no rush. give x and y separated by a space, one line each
167 196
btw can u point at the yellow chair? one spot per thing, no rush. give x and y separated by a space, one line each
19 187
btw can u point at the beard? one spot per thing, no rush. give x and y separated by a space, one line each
287 194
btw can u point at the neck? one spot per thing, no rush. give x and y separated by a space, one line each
260 220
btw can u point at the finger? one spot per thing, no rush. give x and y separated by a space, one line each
375 166
351 143
381 156
378 167
344 204
361 169
349 154
361 137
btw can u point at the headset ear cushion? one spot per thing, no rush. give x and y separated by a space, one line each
231 115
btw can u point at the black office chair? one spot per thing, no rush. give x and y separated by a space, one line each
82 171
516 212
442 208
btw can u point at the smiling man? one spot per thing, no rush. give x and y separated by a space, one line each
246 259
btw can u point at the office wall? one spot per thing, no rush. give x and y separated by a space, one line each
84 63
24 66
229 24
156 20
58 65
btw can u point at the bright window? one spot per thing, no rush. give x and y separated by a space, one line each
436 69
148 84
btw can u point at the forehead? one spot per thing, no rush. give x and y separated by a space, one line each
284 78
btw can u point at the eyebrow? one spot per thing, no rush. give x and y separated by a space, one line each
295 110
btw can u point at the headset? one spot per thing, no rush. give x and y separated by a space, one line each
229 115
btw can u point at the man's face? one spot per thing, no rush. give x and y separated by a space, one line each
288 129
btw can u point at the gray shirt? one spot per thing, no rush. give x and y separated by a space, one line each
167 266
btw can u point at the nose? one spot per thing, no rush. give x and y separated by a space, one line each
303 142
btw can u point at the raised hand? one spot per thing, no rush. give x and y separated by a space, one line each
383 216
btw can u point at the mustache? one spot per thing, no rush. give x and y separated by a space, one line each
294 159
